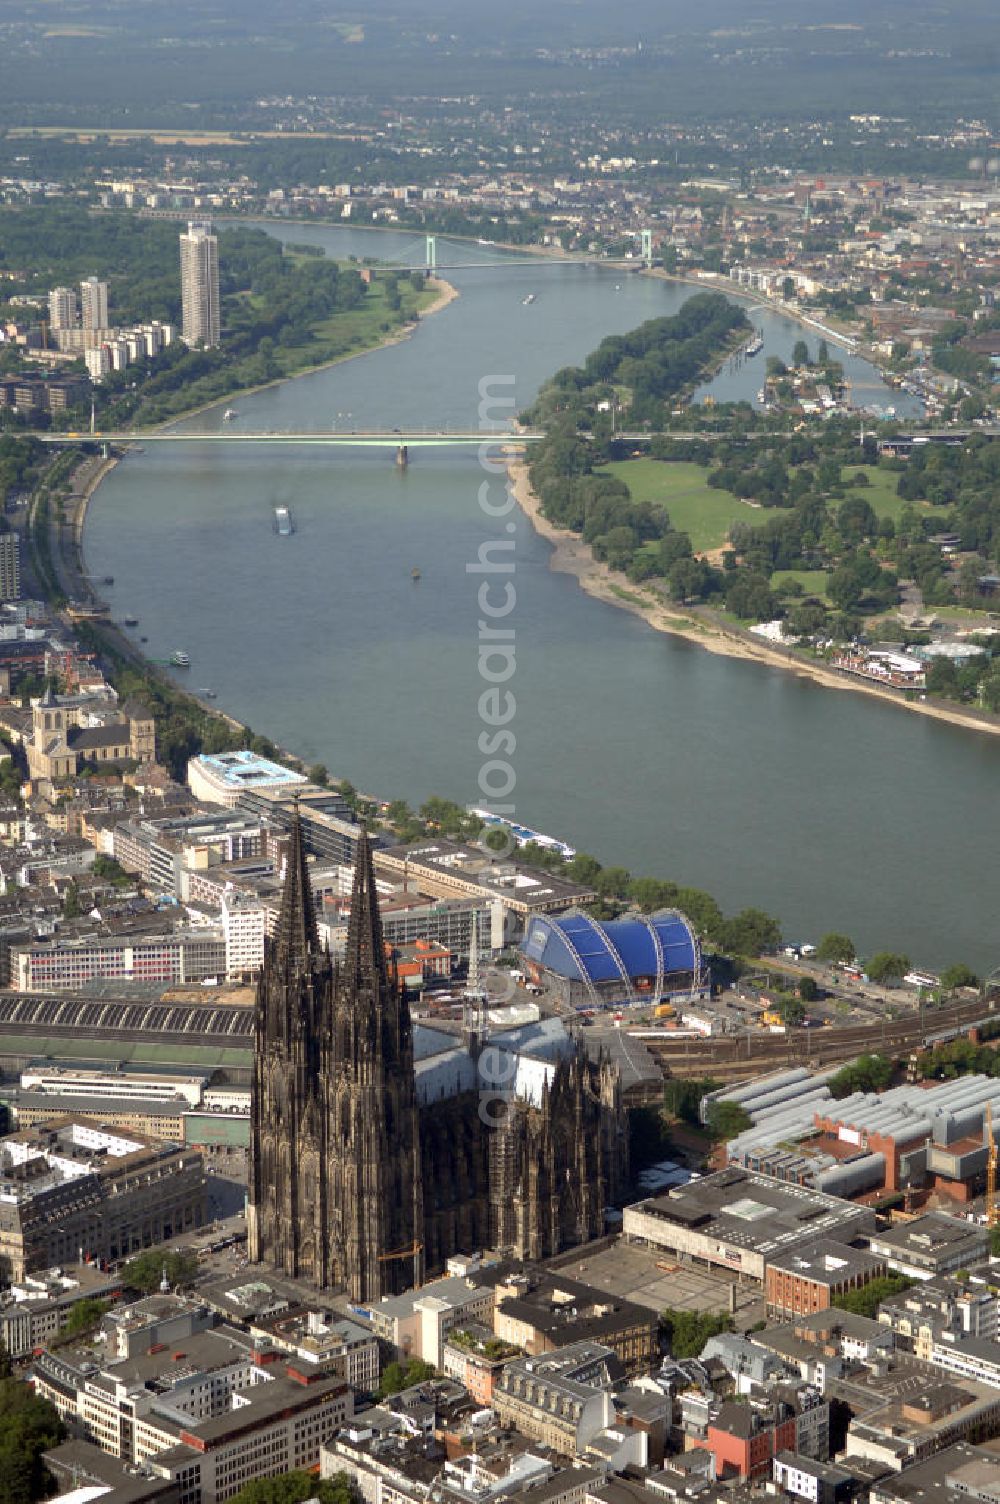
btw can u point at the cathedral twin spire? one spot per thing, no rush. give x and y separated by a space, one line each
364 958
296 938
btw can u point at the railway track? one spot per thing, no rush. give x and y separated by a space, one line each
731 1059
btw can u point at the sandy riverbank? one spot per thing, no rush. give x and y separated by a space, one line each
571 555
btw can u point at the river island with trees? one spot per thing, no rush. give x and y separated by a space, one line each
820 531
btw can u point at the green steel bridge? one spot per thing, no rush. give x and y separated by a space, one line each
395 438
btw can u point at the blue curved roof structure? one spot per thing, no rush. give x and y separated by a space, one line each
658 947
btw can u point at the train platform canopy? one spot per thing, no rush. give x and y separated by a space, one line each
638 959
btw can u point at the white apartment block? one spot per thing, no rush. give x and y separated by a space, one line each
244 925
207 1415
62 308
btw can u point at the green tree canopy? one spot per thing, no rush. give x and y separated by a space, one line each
887 967
686 1332
146 1271
28 1426
399 1376
295 1488
958 975
85 1314
867 1073
727 1119
866 1301
836 947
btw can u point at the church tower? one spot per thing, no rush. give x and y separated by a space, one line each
373 1147
287 1202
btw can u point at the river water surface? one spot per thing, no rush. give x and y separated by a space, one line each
828 809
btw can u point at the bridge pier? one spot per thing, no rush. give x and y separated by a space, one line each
402 456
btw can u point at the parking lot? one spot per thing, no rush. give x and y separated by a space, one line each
635 1274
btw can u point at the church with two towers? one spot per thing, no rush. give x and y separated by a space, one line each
379 1148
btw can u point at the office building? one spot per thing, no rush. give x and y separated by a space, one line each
561 1400
71 1189
932 1245
813 1276
201 319
207 1417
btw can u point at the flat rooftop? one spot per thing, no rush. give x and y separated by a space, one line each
755 1212
828 1262
245 770
959 1472
471 868
932 1233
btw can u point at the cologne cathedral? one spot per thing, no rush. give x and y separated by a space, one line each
379 1149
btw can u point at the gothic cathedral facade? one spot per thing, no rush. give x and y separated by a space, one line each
357 1183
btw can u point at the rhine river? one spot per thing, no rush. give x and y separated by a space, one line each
827 809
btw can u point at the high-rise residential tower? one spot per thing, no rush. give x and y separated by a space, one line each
94 304
201 322
62 308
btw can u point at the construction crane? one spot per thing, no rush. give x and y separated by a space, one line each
992 1211
402 1253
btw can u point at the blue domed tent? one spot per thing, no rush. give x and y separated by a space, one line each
643 959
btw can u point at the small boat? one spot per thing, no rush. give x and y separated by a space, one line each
529 299
230 415
130 621
208 693
143 639
283 524
414 573
179 659
109 579
755 346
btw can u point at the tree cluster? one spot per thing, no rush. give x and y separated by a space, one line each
28 1427
147 1270
686 1332
867 1073
866 1301
296 1488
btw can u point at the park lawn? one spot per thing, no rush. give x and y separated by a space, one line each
813 581
359 329
694 507
880 493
